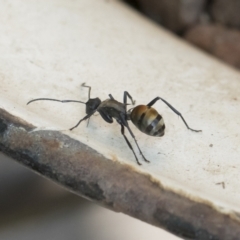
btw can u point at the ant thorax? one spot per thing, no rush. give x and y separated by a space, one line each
112 108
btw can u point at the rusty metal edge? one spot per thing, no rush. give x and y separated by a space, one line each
111 184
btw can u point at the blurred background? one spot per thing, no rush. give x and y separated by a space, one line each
33 207
212 25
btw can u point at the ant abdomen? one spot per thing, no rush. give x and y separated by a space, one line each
147 120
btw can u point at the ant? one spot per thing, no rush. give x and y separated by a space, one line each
144 117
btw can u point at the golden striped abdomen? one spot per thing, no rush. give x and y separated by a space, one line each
148 120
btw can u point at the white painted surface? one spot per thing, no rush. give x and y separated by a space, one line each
48 48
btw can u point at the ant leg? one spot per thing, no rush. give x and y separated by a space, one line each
86 117
88 121
174 110
125 95
129 144
125 123
89 89
111 97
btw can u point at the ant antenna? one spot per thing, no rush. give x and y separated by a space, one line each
89 93
56 100
89 89
67 101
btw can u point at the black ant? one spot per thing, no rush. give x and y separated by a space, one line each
144 117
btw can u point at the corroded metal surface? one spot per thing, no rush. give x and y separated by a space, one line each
111 184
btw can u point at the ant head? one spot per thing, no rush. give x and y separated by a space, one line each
92 105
